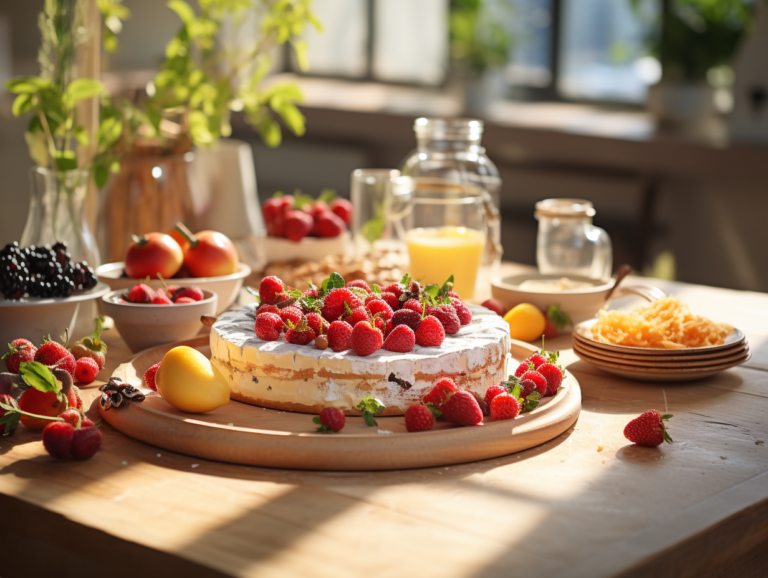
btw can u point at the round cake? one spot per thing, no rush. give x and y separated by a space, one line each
302 378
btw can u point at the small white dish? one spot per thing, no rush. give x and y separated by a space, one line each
142 326
226 287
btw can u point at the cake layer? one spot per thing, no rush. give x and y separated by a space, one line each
281 375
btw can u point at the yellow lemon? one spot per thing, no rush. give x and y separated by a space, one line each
187 380
526 322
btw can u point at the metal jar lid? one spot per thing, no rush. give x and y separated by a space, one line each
565 209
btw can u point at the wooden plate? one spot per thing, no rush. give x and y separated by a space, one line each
250 435
583 332
671 362
723 356
661 374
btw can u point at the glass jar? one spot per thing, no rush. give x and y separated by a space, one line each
568 243
56 205
448 153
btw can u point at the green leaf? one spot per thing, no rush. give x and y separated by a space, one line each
100 175
27 84
376 289
558 317
183 10
82 89
432 290
531 402
406 280
10 420
436 413
327 195
301 200
336 281
65 160
373 229
300 50
370 406
81 136
23 104
37 375
447 286
516 390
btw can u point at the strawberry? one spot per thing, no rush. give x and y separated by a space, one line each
463 312
538 379
414 305
194 293
68 363
447 317
86 441
381 324
395 288
329 225
388 328
266 308
50 352
62 441
365 339
419 418
274 218
461 408
298 224
401 339
555 320
504 406
380 307
19 351
292 314
330 420
269 288
554 376
269 210
430 333
648 429
86 370
311 292
141 293
524 366
343 209
391 299
317 323
268 326
300 333
527 387
371 298
406 317
149 376
184 300
439 392
333 304
494 305
492 392
316 208
338 336
161 298
484 407
356 316
537 359
360 283
12 425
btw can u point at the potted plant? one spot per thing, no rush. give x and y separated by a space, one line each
694 37
479 50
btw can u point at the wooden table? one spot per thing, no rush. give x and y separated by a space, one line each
586 504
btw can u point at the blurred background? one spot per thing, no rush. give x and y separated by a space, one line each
656 111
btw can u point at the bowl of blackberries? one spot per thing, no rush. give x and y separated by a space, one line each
41 289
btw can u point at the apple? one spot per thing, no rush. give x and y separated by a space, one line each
210 253
153 254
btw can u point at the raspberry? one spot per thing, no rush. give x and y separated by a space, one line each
495 306
357 315
522 368
86 370
359 283
338 336
141 293
419 418
406 317
381 307
462 408
317 323
492 392
439 392
329 225
194 293
391 299
269 288
414 305
539 380
401 339
343 209
504 406
20 351
298 224
333 305
268 326
447 317
149 376
465 315
553 376
331 419
365 339
430 333
537 359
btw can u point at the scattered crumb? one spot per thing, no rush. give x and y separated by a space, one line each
759 442
562 461
125 463
195 465
385 431
230 424
723 458
600 448
158 455
602 462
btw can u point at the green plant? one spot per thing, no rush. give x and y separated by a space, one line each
478 38
205 77
696 35
54 130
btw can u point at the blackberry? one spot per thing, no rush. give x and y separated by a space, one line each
42 272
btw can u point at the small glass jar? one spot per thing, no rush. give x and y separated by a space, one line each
568 243
448 154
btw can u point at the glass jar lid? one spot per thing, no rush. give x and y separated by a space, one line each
448 128
565 209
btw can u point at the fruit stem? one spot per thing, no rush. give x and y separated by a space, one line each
187 234
140 241
10 409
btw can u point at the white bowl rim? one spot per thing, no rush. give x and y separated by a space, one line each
95 293
510 283
243 270
308 240
106 298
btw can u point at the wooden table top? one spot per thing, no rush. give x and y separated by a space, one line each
586 504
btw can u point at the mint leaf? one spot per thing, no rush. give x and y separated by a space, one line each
327 195
38 376
278 194
336 281
376 289
10 420
373 229
516 390
370 406
447 286
255 293
406 280
432 290
531 402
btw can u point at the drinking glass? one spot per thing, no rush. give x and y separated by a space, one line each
446 233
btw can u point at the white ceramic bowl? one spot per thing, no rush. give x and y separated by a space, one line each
579 304
34 319
143 326
226 287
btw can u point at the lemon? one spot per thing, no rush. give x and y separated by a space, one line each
526 322
187 380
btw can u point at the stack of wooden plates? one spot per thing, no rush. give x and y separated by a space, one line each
660 364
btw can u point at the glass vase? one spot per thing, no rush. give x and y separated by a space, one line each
56 213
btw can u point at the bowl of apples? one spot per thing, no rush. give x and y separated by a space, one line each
207 260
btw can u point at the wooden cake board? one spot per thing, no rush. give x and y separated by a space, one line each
249 435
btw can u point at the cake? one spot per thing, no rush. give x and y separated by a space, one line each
284 376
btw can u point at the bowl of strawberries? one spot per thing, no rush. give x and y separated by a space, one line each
146 316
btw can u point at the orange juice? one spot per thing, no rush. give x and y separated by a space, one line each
439 252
